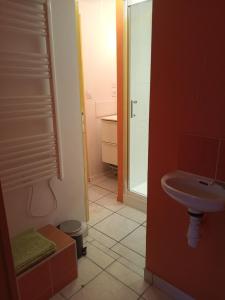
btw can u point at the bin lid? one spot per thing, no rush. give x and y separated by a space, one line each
70 227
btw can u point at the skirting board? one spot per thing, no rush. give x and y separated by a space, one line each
166 287
135 201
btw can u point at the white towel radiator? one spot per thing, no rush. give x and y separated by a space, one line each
28 157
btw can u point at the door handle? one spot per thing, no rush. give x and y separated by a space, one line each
132 102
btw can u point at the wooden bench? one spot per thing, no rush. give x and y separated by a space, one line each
48 277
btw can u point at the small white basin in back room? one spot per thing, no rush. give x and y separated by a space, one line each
195 192
199 194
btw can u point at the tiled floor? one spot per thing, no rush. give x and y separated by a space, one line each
114 266
107 182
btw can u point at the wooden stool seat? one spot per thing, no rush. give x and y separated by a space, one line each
52 274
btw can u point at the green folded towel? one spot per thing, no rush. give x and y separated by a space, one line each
29 248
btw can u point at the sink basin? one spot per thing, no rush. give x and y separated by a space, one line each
198 194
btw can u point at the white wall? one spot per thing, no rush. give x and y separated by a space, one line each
69 192
98 29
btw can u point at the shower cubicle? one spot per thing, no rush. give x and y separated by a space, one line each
139 53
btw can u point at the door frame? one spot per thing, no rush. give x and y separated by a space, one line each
121 90
123 194
82 108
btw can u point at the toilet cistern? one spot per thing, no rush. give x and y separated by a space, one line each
199 194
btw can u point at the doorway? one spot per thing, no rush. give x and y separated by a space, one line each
100 65
98 48
116 232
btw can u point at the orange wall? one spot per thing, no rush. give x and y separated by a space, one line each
187 131
8 285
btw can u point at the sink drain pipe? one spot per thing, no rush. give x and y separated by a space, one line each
193 234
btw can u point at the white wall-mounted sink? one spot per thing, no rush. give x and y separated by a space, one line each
199 194
195 192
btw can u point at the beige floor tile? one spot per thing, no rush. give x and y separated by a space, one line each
109 183
88 238
136 241
116 226
72 288
105 249
87 270
132 214
97 213
101 238
95 193
105 287
128 277
99 257
130 265
144 224
152 293
57 297
137 259
110 202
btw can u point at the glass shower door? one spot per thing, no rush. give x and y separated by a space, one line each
139 48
